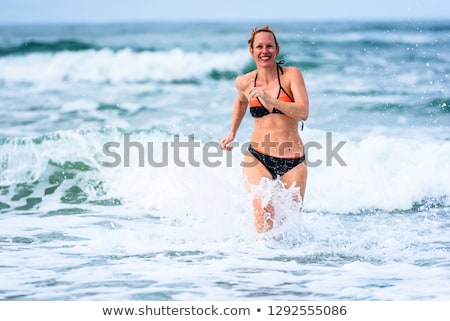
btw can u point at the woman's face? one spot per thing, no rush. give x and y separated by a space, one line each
264 49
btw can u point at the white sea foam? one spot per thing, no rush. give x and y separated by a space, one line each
375 173
107 66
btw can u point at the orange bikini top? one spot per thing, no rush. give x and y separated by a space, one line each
257 109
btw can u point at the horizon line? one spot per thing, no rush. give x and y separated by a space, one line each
226 20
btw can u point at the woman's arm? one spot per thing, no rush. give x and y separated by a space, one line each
299 109
239 109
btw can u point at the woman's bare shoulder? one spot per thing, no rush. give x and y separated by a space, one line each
293 71
243 81
293 75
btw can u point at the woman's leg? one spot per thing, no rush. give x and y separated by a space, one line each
297 176
254 171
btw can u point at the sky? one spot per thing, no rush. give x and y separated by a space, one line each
92 11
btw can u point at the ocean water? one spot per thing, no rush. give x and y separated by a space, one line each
145 220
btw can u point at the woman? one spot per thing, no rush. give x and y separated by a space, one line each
278 101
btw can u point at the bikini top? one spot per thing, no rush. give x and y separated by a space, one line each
257 109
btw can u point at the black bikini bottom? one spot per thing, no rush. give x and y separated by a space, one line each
277 166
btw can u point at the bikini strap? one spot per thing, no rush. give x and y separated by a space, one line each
279 63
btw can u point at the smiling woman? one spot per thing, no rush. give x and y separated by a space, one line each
278 101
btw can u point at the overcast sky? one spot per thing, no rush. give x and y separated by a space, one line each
32 11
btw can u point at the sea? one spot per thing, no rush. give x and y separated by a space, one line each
113 187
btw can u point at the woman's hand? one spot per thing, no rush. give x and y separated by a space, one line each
225 141
265 99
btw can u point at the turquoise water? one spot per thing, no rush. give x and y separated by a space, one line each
72 228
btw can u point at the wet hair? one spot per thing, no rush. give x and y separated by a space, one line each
257 30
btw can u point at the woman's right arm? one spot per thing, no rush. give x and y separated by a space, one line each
239 109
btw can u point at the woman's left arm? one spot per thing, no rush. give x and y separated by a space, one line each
299 109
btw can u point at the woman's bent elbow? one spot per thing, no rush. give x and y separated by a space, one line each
304 116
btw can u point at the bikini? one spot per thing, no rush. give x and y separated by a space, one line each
277 166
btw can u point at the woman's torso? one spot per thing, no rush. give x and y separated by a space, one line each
275 134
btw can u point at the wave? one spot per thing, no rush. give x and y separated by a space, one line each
70 169
122 66
46 47
432 106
